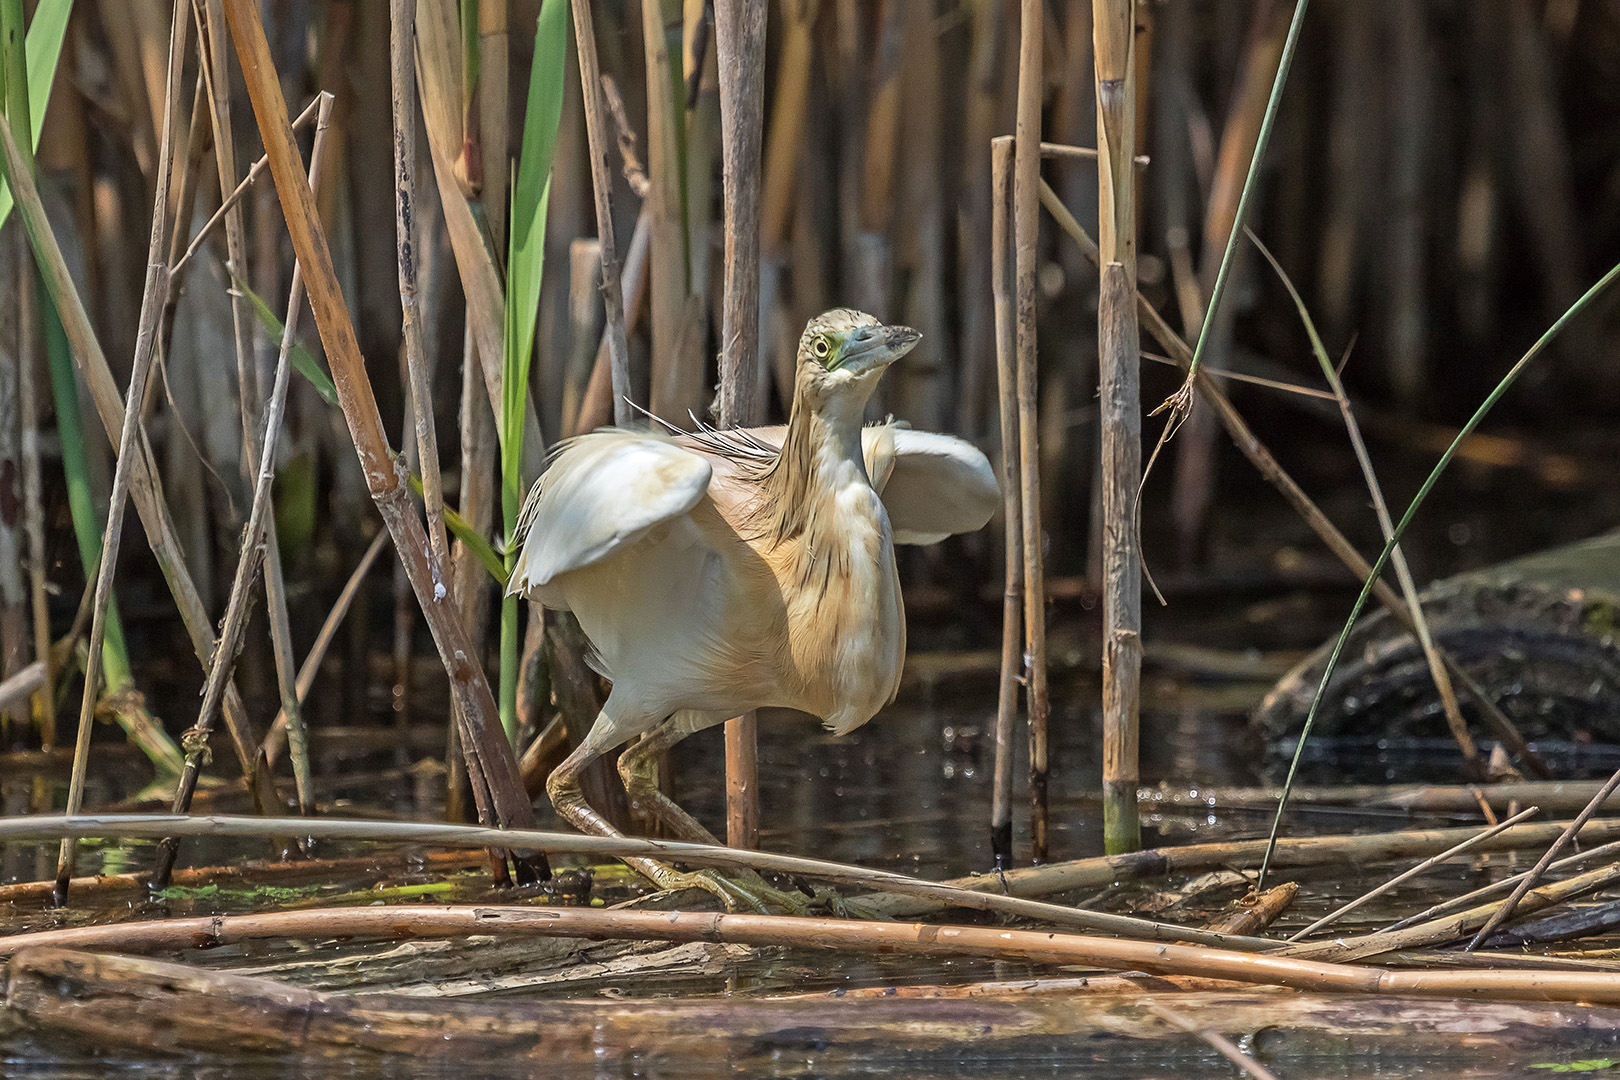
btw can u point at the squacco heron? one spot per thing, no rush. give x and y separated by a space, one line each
724 571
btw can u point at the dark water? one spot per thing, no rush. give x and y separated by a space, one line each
909 792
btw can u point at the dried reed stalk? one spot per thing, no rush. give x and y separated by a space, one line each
402 96
739 34
489 754
321 828
470 583
1505 912
153 296
410 921
1114 42
145 488
1267 465
597 408
323 641
673 384
214 48
439 77
1012 602
1472 842
494 110
590 79
1096 873
255 542
1026 232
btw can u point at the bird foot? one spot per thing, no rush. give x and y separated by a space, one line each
740 891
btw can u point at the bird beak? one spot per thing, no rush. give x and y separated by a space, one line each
874 347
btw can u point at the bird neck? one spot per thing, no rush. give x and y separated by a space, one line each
820 454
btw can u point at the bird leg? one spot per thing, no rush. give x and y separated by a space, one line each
563 787
638 768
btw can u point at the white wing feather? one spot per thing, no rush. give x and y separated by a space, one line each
601 492
938 486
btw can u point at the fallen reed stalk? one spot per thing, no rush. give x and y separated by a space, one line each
1455 926
1505 912
1012 596
1258 911
1114 34
1026 233
1491 399
114 888
1099 872
1458 903
1340 912
144 825
497 786
418 921
153 297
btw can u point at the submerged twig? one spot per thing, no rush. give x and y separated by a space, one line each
1220 1043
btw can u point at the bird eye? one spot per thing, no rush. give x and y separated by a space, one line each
820 347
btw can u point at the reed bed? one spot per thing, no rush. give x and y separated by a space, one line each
559 215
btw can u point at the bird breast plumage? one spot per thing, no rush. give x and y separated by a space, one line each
845 624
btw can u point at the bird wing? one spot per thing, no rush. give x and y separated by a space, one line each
932 485
601 492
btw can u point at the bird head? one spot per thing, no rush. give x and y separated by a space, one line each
843 353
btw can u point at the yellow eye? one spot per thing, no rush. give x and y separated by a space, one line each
820 347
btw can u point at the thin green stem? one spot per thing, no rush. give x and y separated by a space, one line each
1228 257
1400 529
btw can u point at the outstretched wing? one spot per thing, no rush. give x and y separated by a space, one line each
933 485
601 492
